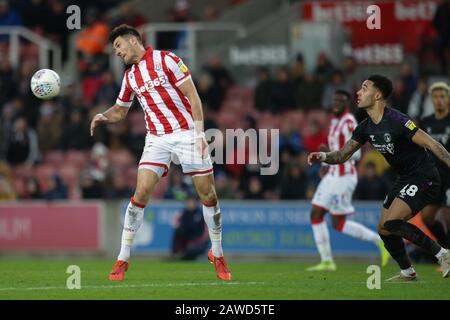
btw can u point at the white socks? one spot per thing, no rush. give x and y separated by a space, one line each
133 220
359 231
440 253
213 220
322 238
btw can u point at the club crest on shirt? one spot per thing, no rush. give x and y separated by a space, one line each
410 125
387 137
158 66
372 137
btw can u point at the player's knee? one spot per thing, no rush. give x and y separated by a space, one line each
393 225
338 223
208 197
317 214
142 194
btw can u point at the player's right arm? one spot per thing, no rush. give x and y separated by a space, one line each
335 157
119 110
114 114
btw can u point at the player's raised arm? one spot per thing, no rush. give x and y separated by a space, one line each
425 140
114 114
335 157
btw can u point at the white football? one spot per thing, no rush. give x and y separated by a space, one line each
45 84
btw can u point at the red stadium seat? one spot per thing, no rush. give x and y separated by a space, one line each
121 158
76 158
54 158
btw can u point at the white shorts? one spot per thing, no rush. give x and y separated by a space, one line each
334 194
178 147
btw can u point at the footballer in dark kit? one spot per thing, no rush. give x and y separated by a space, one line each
408 150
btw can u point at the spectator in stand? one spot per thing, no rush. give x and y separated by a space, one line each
99 167
441 22
75 135
27 98
255 189
22 144
399 98
128 15
221 77
209 94
263 90
35 14
32 189
94 37
119 188
294 183
8 16
90 187
308 94
49 126
337 82
283 90
315 136
420 104
56 189
178 190
7 82
409 79
290 139
227 188
350 66
54 26
92 82
190 238
6 189
370 185
298 69
324 67
107 93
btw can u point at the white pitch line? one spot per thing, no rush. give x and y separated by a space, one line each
187 284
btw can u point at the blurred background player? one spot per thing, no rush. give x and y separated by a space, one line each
404 146
436 216
335 191
174 119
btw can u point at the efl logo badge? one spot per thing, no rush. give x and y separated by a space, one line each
410 125
182 66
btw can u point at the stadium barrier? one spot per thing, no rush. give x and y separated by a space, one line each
249 228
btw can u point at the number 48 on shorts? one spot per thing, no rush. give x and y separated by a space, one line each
409 189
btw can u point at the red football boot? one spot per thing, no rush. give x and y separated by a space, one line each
118 271
222 271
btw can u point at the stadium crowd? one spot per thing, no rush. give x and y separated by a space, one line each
46 151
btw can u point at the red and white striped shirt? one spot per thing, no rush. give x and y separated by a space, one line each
155 80
341 130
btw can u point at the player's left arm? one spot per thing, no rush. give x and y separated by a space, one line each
425 140
189 90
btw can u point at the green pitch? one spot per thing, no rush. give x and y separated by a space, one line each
46 279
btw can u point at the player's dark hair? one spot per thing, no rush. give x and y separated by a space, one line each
344 93
124 30
382 83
